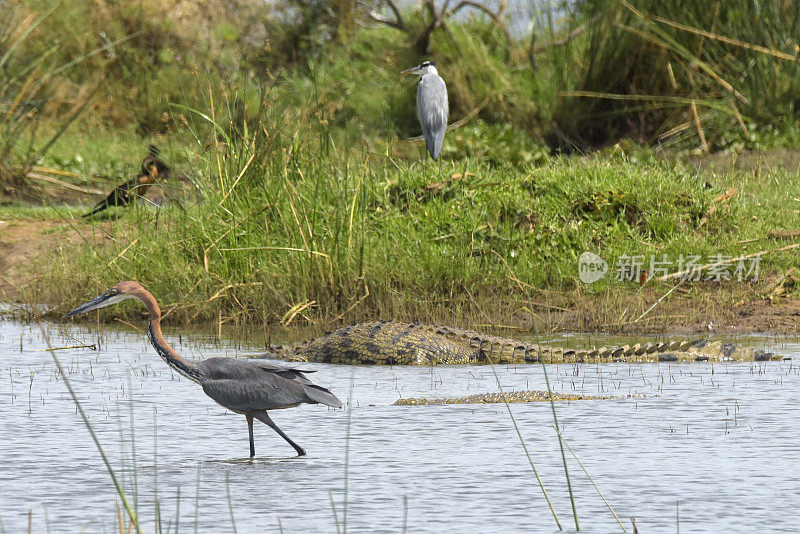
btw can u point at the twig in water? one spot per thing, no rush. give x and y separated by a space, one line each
197 500
347 451
335 515
405 513
553 407
522 286
126 323
177 508
117 485
133 444
155 471
591 480
561 445
525 448
230 504
30 390
67 348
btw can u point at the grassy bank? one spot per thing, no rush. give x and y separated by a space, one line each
341 238
301 195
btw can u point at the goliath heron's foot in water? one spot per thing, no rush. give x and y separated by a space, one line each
249 418
245 386
265 418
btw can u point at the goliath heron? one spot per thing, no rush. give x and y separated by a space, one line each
248 387
432 107
153 169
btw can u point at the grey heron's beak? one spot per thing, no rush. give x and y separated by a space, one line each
101 301
412 70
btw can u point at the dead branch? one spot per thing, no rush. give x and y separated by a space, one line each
564 40
397 23
495 16
435 19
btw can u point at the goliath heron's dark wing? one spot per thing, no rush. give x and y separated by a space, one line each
251 385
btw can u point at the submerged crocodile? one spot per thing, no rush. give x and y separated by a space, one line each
393 343
500 398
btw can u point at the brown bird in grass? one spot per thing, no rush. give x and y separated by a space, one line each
153 170
245 386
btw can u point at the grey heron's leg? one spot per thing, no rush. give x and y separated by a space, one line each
249 418
265 418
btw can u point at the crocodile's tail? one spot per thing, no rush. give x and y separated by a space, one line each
503 350
490 348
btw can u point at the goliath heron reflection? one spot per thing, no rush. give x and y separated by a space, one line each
432 107
248 387
153 169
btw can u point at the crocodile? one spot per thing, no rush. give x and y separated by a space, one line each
395 343
499 398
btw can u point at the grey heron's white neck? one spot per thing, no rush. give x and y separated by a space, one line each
430 69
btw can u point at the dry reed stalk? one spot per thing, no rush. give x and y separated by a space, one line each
726 262
699 127
59 183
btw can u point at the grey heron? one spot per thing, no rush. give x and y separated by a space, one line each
245 386
432 106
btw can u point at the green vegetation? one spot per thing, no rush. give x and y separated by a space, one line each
390 238
301 195
716 75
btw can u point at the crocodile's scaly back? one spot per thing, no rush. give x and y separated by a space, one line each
392 343
386 343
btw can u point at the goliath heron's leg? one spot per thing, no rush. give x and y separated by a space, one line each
249 418
264 418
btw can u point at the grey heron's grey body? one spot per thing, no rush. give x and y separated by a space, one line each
432 107
248 387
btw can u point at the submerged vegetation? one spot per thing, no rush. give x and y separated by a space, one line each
300 195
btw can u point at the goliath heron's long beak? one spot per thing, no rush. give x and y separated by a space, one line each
411 70
101 301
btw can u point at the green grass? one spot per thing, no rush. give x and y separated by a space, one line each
27 212
350 233
638 64
643 61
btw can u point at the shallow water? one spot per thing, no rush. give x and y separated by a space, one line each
713 447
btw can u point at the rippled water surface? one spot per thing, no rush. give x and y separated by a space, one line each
713 447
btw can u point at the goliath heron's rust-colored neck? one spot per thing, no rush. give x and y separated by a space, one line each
187 368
